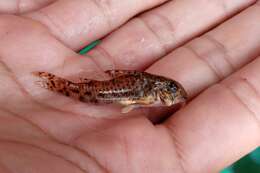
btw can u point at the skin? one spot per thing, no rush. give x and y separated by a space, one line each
43 131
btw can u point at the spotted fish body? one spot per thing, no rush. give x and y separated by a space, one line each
128 88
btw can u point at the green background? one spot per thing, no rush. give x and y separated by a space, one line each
248 164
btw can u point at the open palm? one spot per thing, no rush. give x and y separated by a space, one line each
41 131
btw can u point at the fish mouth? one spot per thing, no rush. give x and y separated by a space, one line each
185 98
182 99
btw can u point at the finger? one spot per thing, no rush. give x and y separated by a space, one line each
146 38
192 89
79 22
214 55
222 123
31 39
21 6
36 50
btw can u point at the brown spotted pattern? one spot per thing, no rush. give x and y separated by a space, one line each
124 87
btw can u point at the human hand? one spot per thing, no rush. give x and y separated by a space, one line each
41 131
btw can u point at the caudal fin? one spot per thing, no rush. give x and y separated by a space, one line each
57 84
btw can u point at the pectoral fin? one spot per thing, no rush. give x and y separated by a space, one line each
128 108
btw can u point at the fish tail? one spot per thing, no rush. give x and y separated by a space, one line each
57 84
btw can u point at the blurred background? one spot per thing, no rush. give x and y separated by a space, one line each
248 164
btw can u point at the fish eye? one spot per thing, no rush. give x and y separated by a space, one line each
173 87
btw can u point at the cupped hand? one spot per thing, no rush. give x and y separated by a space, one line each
210 47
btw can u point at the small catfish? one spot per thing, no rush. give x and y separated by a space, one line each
131 89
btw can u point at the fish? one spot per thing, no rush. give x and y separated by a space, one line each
129 88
